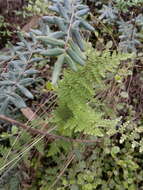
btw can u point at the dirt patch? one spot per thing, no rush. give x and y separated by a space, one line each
10 21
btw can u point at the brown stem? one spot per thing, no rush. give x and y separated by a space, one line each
33 131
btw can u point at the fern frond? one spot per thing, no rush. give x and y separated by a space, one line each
75 91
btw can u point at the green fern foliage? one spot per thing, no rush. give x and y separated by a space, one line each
76 91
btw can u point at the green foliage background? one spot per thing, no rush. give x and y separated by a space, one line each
95 101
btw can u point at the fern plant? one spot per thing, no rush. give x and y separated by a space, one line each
76 91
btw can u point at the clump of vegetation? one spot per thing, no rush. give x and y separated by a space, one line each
37 7
5 32
76 84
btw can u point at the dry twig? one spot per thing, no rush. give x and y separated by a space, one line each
33 131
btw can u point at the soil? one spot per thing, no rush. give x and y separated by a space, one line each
7 11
